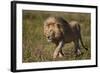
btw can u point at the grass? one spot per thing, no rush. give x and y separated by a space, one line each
35 46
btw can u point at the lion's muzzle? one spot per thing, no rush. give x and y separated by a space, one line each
49 39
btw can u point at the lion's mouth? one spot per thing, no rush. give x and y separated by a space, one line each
49 39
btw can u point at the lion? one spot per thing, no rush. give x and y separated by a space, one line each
58 31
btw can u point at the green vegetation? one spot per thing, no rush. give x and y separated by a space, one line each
35 47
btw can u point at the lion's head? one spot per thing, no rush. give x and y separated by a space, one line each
52 29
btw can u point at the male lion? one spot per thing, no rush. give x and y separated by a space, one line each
59 31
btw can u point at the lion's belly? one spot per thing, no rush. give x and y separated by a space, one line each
71 37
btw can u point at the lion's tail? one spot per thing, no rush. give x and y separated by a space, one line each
81 38
82 43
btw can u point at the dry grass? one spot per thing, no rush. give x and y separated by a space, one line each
37 49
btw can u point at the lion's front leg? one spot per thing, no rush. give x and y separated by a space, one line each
58 50
61 54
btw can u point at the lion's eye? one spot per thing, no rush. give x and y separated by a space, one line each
52 23
50 30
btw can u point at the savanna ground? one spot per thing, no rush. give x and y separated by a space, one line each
35 47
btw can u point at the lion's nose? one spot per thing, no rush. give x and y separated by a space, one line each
48 37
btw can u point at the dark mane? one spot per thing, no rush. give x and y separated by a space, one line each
61 20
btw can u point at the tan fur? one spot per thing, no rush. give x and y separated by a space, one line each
59 31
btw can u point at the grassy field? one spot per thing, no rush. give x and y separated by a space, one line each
35 47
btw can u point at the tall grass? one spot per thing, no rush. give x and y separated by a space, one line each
35 47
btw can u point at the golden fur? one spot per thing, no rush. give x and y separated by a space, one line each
59 31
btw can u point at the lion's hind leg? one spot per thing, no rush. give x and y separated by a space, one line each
77 47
